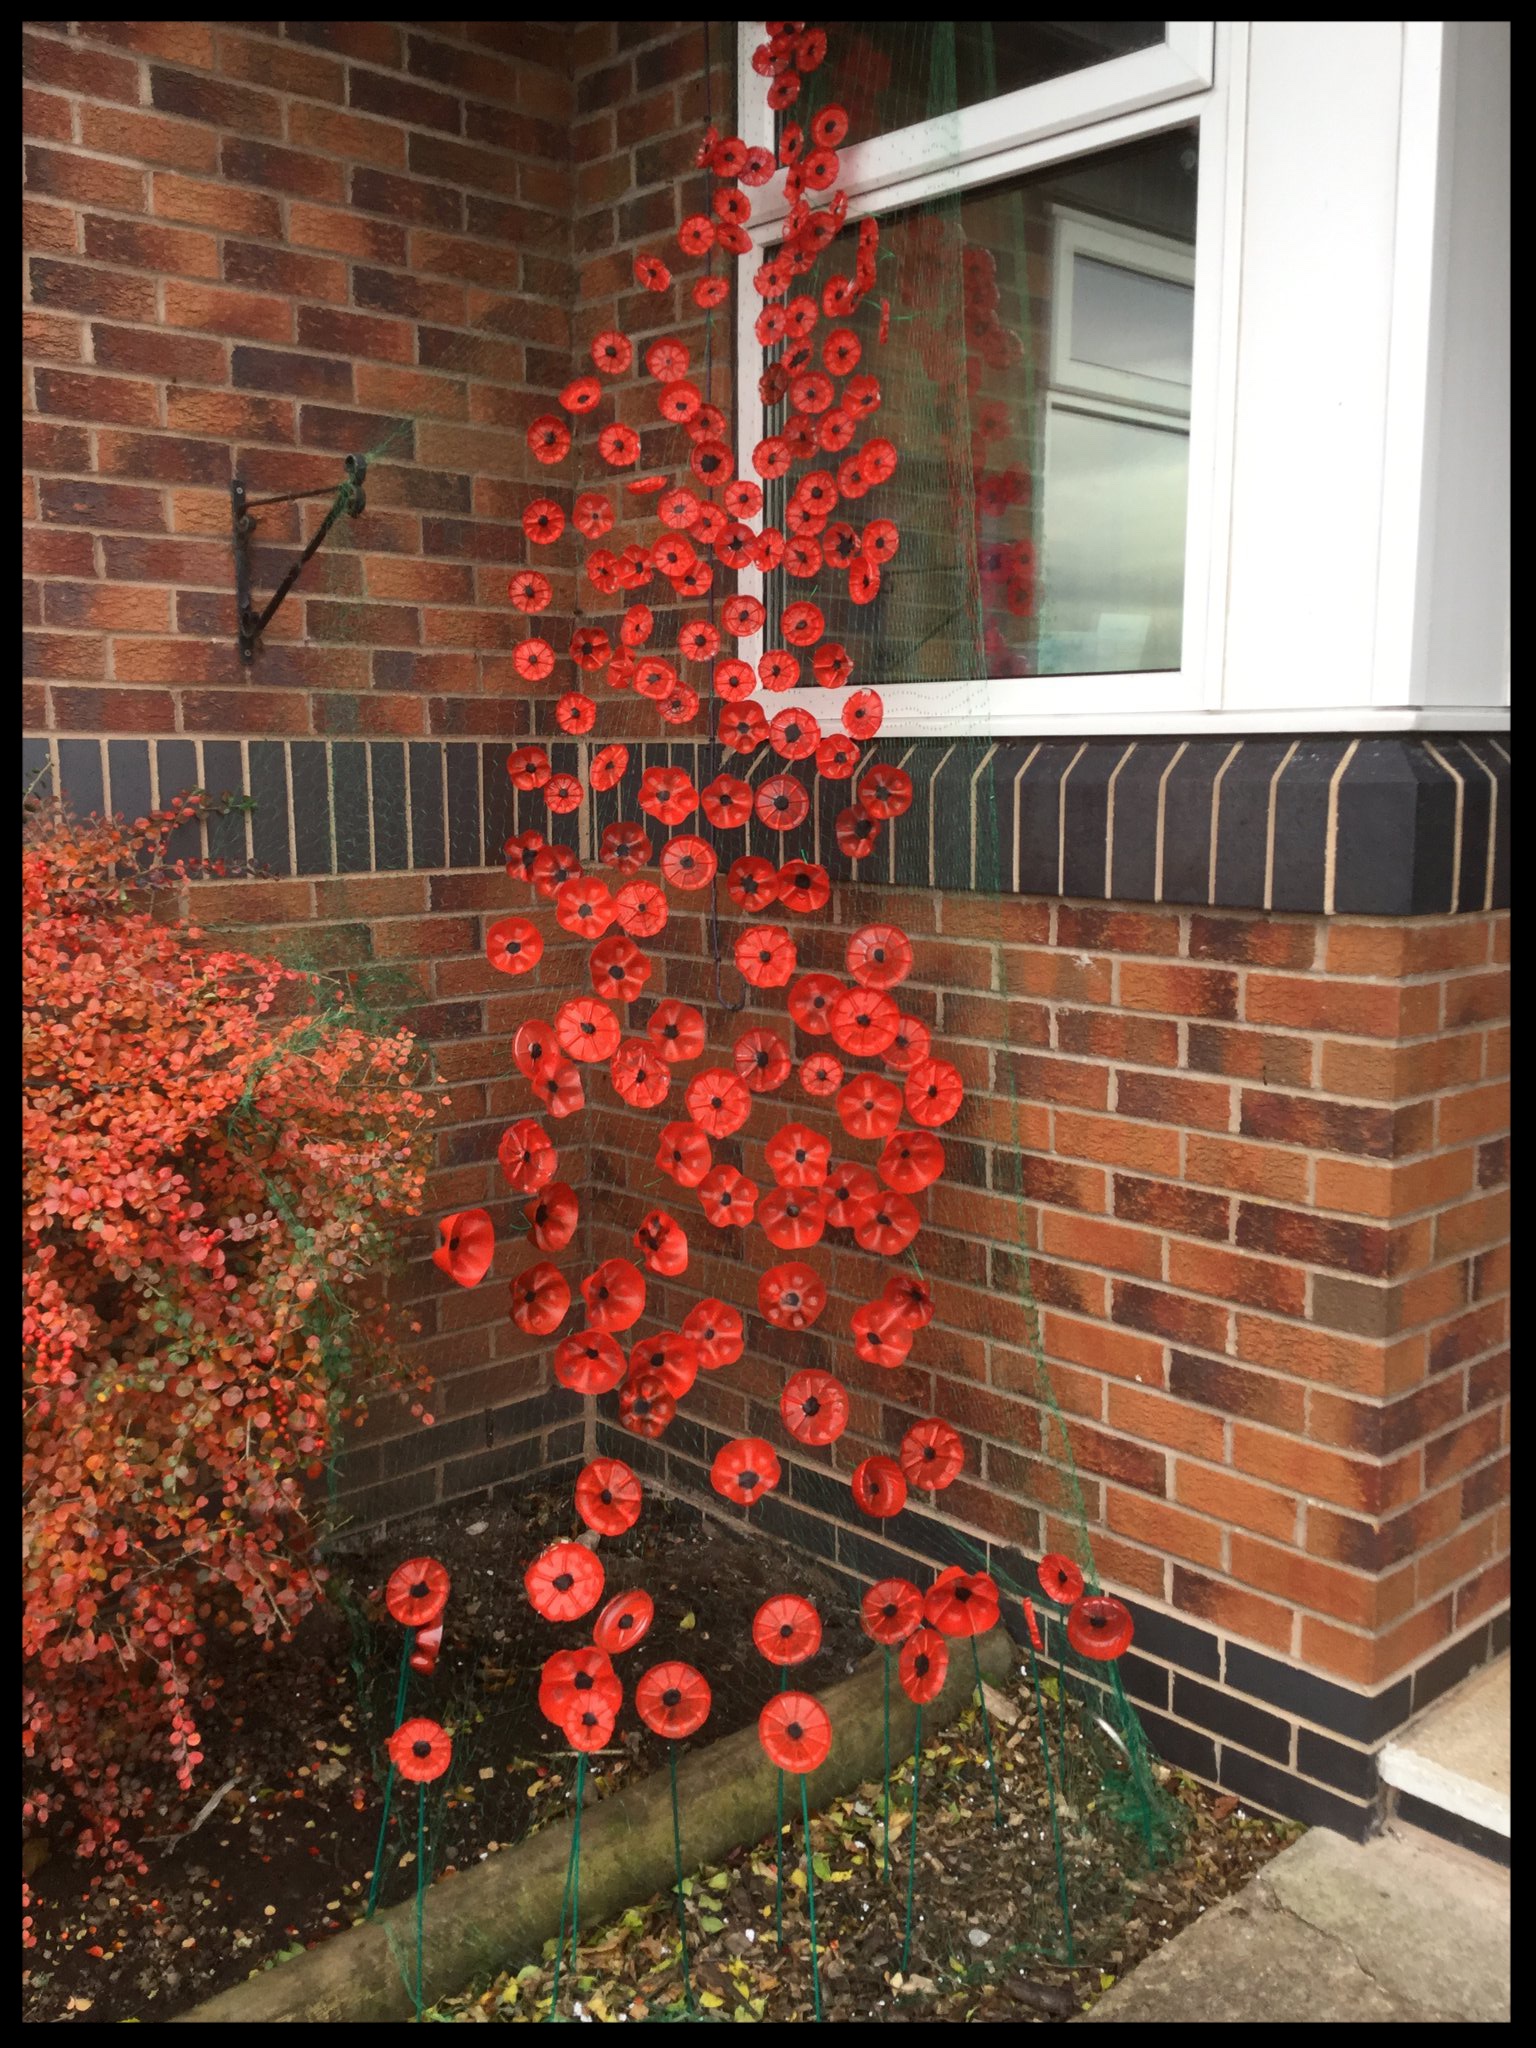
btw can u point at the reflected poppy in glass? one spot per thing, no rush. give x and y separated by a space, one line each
923 1666
1099 1627
673 1700
795 1731
624 1621
608 1496
911 1161
869 1106
618 968
1060 1579
879 1488
744 1470
676 1030
514 946
864 1022
615 1295
890 1611
586 1030
718 1102
682 1151
762 1060
624 846
786 1629
552 1217
417 1592
564 1582
798 1157
886 1223
420 1751
717 1331
541 1299
727 1197
663 1244
639 1074
588 1362
468 1246
645 1406
814 1407
880 1336
934 1092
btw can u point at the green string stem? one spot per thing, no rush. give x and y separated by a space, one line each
1050 1791
567 1899
778 1842
986 1729
917 1768
810 1894
421 1886
389 1782
887 1720
581 1780
677 1864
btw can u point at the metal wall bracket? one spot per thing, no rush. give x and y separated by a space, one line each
350 498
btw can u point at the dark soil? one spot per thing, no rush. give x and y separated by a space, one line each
283 1859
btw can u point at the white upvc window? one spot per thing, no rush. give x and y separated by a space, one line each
1266 446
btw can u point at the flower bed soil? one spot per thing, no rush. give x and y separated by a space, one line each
281 1860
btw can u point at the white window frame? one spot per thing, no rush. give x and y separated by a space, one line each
1195 74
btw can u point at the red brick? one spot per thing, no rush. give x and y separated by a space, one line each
1272 1056
1167 1206
57 554
1235 1390
1359 1483
356 334
181 358
1389 1072
216 205
1152 1148
285 271
61 174
53 229
1153 1418
114 711
1246 1169
148 138
1257 1283
1088 927
1232 1609
1253 940
249 315
45 115
178 42
127 507
113 399
1238 1503
1474 1113
1469 1336
230 414
1324 1126
63 654
399 100
1179 991
1470 1226
1342 1595
1156 1523
1365 1009
1072 1082
1116 1036
1161 1098
1173 1316
230 108
48 60
165 457
349 234
1107 1245
1061 976
1476 998
1111 1457
50 338
280 66
144 246
1348 1363
107 607
45 445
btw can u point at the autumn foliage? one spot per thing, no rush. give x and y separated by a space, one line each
217 1161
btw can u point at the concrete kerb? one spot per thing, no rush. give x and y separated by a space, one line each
498 1915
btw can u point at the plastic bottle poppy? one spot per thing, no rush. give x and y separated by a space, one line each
727 1197
890 1611
608 1496
663 1244
625 846
879 956
615 1295
791 1296
676 1030
765 955
541 1299
519 851
1060 1579
609 766
821 1074
814 1407
586 1029
811 1001
514 946
804 887
639 1075
417 1592
640 908
796 1732
863 1022
420 1751
589 1726
673 1700
718 1102
923 1666
1099 1627
869 1106
932 1455
727 802
468 1246
575 1678
880 1336
793 1219
645 1406
961 1603
753 883
618 968
672 1355
744 1470
564 1582
624 1622
781 803
588 1362
552 1217
911 1161
557 1084
913 1297
683 1151
584 907
879 1488
848 1186
798 1157
886 1223
762 1060
934 1092
718 1332
786 1629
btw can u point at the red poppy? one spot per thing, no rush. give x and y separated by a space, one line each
581 394
864 1021
744 729
798 1157
752 882
618 968
885 792
552 1217
639 1074
1099 1627
618 445
640 908
856 833
699 641
961 1603
668 795
673 1700
727 802
911 1044
645 1406
913 1297
549 438
886 1223
543 521
786 1629
541 1299
589 1362
609 766
552 868
625 846
744 1470
781 803
608 1496
762 1060
592 514
717 1331
575 712
519 851
513 945
932 1455
529 591
426 1649
420 1751
1031 1622
880 1335
417 1592
869 1106
863 714
879 1488
1060 1579
584 907
563 793
676 1030
468 1246
579 1678
803 886
765 954
557 1084
814 1407
791 1296
879 956
793 1219
934 1092
586 1029
848 1188
534 660
727 1196
589 1727
911 1161
663 1244
615 1295
923 1666
833 664
683 1152
718 1102
890 1612
821 1074
564 1582
532 1045
689 862
624 1621
667 360
669 1354
795 1731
